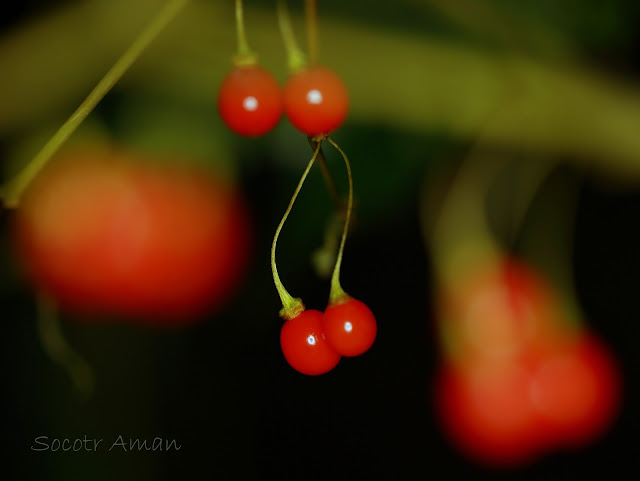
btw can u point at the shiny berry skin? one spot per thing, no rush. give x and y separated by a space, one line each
304 345
315 100
350 327
250 101
110 233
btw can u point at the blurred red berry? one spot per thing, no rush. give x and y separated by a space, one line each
486 411
501 310
576 388
108 232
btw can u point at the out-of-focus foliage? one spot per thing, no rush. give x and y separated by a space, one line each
536 83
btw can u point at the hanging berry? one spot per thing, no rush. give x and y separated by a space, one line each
249 99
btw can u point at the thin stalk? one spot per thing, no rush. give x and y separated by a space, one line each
291 306
312 29
12 192
243 46
244 56
326 174
59 350
337 294
296 59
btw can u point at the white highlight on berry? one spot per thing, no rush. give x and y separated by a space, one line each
250 103
311 340
348 327
314 97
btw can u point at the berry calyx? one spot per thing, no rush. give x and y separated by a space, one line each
250 101
305 346
350 327
316 101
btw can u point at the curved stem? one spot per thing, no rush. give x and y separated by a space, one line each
11 192
243 46
322 162
296 59
291 306
59 350
337 294
245 55
312 30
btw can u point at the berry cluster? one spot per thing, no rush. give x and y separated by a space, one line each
251 102
313 342
517 380
315 101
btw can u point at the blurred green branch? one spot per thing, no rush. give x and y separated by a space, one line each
11 192
485 19
413 82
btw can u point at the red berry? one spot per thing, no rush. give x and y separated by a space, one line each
250 101
316 101
304 345
487 412
108 233
576 389
500 310
350 327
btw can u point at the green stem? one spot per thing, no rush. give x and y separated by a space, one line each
291 306
312 30
245 55
12 192
59 350
337 294
296 59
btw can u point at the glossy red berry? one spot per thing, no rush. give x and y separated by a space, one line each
250 101
316 101
304 345
350 327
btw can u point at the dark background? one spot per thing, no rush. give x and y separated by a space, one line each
222 389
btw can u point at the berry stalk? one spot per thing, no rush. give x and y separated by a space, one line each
312 29
59 350
245 55
291 306
296 59
326 174
337 294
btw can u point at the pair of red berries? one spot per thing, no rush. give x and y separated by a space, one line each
313 342
251 102
517 382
